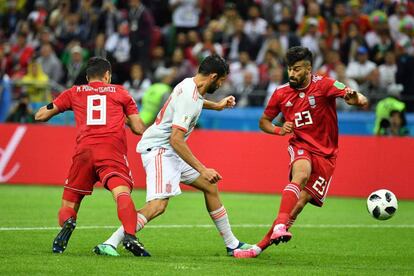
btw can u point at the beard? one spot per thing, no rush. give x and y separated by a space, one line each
212 88
297 83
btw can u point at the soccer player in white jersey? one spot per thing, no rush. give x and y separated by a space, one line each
168 160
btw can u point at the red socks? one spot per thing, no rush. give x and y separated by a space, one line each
127 213
290 197
65 213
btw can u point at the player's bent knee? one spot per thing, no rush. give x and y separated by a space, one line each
117 185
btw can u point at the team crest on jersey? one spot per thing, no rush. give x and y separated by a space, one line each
168 188
312 101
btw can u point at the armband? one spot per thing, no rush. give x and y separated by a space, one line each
49 106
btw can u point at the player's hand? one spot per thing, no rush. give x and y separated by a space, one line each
286 128
227 102
211 175
351 96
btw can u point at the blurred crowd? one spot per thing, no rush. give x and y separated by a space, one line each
154 44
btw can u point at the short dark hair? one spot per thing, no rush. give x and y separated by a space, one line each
298 53
214 64
97 67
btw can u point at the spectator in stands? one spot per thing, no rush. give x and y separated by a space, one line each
21 53
268 40
10 18
75 67
119 48
183 68
384 45
185 14
379 23
372 87
357 18
59 14
239 68
353 39
313 17
311 39
404 76
50 64
207 47
275 79
239 42
286 37
137 83
228 21
141 24
361 68
22 113
396 125
98 48
385 106
158 59
68 29
332 60
108 18
395 20
388 70
36 84
88 16
255 29
271 60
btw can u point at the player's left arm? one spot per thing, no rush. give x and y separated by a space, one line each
46 112
227 102
353 97
136 124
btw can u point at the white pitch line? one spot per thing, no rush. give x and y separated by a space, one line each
213 226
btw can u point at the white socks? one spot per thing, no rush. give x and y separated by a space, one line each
118 235
221 220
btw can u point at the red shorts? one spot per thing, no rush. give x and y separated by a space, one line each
321 175
93 163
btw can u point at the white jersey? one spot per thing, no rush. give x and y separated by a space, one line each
182 110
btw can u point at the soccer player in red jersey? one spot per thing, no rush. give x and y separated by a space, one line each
101 110
308 103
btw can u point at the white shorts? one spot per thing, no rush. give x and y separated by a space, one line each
165 170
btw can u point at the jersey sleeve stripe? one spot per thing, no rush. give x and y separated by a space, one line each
180 128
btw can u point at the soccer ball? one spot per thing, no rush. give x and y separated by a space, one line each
382 204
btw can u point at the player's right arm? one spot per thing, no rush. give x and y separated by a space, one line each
266 124
271 111
180 146
60 104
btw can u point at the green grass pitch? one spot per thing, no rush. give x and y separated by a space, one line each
338 239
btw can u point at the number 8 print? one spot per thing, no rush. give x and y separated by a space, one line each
99 108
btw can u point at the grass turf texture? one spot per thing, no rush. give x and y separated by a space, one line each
325 240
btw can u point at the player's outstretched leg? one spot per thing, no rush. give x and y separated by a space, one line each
219 215
132 244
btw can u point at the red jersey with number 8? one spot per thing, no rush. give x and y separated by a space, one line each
313 113
100 111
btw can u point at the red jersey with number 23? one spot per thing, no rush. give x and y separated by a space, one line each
100 111
313 113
